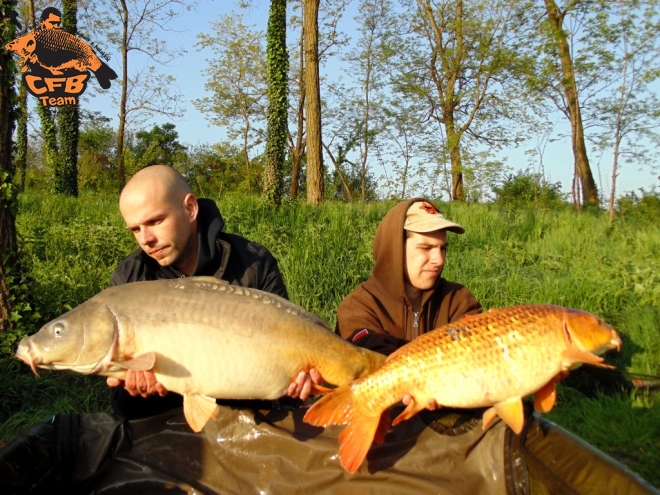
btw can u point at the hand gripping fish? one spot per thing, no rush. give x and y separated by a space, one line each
202 337
492 359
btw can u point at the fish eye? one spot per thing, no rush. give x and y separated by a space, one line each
58 328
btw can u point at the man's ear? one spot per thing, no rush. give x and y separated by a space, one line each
191 206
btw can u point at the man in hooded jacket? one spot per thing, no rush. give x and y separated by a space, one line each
406 295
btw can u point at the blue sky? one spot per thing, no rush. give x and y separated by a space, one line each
194 128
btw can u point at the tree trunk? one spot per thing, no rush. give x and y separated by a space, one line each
298 149
8 243
313 104
68 120
343 180
22 134
278 81
589 190
457 192
445 67
122 104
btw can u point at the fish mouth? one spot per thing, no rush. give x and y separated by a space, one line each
24 353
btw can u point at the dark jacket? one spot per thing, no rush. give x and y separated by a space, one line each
225 256
378 314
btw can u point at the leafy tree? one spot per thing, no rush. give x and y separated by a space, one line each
368 61
132 27
571 103
276 134
525 189
461 57
329 38
159 145
96 147
626 113
644 207
237 82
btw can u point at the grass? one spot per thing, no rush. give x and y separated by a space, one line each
70 247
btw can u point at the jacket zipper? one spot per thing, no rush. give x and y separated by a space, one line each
416 324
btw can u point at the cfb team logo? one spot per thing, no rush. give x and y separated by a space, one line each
56 64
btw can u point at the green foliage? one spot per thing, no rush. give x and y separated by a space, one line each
276 131
527 189
96 159
160 145
644 208
68 122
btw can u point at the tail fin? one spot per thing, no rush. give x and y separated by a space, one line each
104 74
339 408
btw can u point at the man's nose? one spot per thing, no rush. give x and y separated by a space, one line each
437 257
145 236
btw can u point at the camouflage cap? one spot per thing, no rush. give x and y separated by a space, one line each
423 217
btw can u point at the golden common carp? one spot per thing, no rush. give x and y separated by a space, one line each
202 337
492 359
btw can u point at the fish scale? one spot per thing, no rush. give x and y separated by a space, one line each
492 359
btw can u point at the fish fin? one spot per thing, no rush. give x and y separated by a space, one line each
332 409
143 362
383 427
545 398
355 440
511 411
489 417
574 357
198 409
320 389
411 409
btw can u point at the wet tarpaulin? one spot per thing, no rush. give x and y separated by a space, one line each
250 451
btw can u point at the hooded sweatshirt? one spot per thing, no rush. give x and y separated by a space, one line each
378 314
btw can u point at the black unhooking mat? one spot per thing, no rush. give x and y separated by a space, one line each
250 451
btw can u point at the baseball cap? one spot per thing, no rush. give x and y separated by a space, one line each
424 217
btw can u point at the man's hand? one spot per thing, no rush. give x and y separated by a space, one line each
142 383
432 405
302 386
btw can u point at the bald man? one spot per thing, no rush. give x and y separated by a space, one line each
181 236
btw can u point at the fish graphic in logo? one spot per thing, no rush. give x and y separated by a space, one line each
56 63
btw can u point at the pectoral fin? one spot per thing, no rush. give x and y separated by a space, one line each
574 357
198 409
545 398
143 362
411 409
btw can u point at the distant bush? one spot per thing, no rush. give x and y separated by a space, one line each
528 189
645 208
